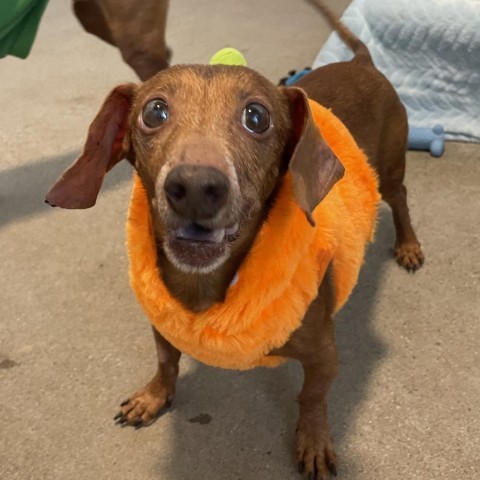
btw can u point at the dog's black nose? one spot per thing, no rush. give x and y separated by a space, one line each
196 192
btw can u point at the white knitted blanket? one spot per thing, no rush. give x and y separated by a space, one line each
429 50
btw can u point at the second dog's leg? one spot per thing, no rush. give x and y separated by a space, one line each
139 33
143 407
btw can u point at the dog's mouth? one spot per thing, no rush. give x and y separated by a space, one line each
196 247
197 233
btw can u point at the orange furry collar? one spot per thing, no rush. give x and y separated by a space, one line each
279 278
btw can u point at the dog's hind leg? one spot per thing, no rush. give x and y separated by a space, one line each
408 251
391 164
146 405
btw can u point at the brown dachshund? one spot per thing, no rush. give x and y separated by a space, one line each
204 176
212 147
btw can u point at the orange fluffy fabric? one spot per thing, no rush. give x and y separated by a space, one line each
281 274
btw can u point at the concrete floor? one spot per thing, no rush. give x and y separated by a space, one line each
73 341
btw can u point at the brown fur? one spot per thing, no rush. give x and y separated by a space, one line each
203 101
139 33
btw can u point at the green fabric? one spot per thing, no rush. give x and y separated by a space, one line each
19 20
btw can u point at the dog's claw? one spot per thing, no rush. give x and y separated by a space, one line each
125 402
137 423
333 469
301 467
120 419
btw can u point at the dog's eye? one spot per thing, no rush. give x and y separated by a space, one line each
255 118
155 113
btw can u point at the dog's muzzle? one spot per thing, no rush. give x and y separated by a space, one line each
199 197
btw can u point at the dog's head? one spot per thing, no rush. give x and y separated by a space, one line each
210 144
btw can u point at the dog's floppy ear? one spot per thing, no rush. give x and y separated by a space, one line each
314 167
79 185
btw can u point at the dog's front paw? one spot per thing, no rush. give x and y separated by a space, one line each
409 256
145 406
315 455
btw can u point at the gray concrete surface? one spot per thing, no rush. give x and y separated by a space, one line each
73 341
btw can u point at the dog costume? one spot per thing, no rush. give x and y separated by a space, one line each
280 276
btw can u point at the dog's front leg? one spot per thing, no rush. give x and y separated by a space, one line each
146 405
313 344
315 453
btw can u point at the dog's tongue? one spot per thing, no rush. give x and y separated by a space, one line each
197 233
